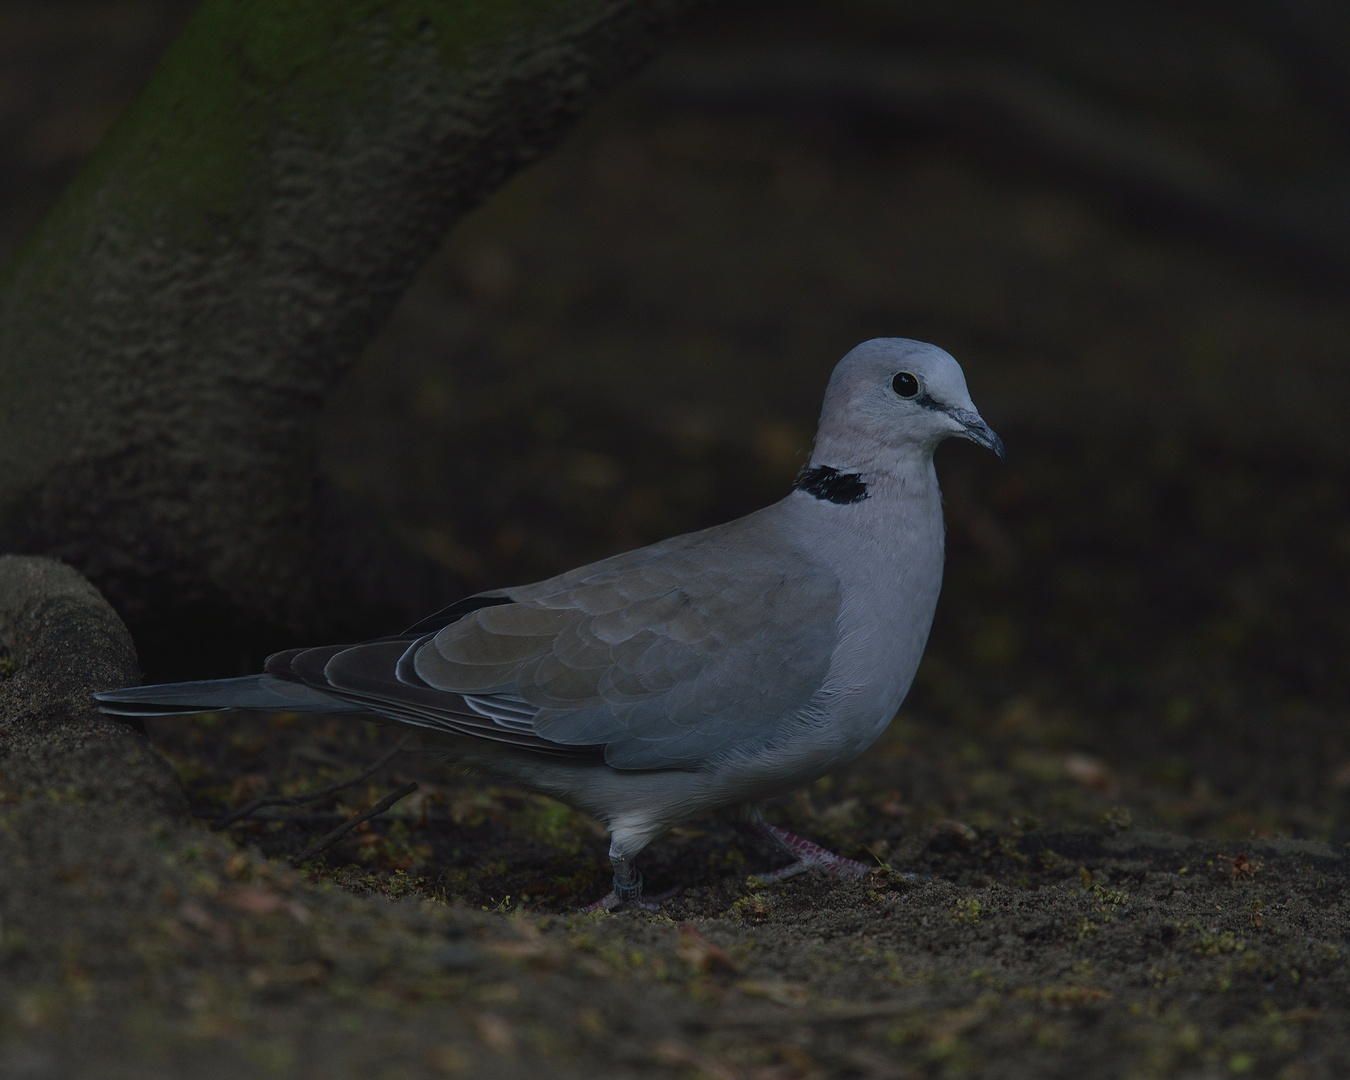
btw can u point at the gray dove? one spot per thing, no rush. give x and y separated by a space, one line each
710 670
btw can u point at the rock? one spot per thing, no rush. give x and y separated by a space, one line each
59 642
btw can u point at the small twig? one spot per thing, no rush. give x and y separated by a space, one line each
325 842
248 809
847 1014
313 817
332 817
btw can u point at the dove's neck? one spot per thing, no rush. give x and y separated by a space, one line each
902 481
884 525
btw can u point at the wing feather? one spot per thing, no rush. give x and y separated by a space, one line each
367 675
667 657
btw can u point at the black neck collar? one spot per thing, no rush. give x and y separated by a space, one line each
828 483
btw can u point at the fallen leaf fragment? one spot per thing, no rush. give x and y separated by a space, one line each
264 902
494 1032
779 992
1090 772
958 829
195 916
1067 996
700 953
682 1055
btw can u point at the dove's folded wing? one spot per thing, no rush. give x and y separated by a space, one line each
665 657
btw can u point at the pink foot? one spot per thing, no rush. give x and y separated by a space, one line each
615 902
808 855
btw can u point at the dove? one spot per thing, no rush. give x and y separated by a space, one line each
711 670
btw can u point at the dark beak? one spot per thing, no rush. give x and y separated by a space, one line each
977 431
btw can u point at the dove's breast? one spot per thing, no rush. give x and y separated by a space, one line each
887 554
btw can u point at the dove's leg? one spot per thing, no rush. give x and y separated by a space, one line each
808 855
627 891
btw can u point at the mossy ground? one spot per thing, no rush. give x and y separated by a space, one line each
443 940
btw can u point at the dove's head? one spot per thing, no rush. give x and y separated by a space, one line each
892 398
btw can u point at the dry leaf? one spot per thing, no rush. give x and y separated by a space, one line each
1090 772
958 829
264 902
681 1055
494 1032
700 953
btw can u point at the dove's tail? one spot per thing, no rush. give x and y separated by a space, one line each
265 693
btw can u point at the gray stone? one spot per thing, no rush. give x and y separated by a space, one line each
59 642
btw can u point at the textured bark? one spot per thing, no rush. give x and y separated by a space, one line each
168 334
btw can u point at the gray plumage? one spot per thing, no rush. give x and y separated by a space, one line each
718 667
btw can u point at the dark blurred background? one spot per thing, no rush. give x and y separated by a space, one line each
1131 223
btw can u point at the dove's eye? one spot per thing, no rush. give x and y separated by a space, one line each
905 384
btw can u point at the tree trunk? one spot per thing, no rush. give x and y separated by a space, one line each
168 334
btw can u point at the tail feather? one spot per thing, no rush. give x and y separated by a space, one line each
264 693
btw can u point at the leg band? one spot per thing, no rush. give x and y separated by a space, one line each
630 890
